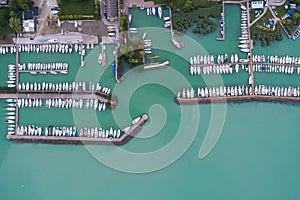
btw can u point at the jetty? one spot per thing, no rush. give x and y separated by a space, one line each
155 66
44 71
103 55
250 62
250 49
58 95
133 130
243 98
82 52
17 64
223 19
177 44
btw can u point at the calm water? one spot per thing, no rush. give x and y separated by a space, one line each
256 156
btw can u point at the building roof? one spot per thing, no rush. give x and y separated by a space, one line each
3 2
28 26
27 15
35 11
257 4
31 13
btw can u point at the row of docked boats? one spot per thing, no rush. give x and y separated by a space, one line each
6 49
276 69
222 22
221 91
74 86
224 91
44 48
154 11
11 116
44 67
58 131
277 91
167 22
76 103
99 132
48 48
292 60
214 69
147 46
202 59
11 74
210 59
111 30
296 33
133 30
32 130
244 39
29 103
61 131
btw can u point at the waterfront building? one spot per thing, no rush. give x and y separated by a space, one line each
257 4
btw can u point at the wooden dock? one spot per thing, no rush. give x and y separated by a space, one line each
134 129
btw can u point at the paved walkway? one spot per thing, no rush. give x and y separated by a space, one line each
276 2
45 10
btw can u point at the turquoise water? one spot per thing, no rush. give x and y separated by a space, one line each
256 156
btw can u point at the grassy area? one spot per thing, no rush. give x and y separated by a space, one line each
4 27
77 7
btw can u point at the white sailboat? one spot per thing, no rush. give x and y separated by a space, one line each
159 12
100 58
153 11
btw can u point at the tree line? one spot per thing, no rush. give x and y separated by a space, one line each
266 35
181 21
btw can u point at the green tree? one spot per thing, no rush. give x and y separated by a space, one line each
122 50
25 4
15 24
288 21
296 16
